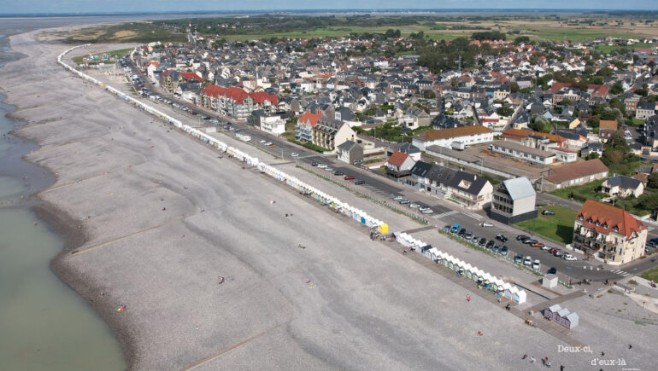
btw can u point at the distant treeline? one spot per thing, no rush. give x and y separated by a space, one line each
488 35
264 24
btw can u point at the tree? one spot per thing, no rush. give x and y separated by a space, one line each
541 124
593 156
505 111
521 40
653 180
617 88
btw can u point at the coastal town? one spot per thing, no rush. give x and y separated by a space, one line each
373 200
559 115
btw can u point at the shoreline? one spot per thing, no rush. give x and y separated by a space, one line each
73 232
70 230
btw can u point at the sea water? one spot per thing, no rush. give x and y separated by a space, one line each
44 325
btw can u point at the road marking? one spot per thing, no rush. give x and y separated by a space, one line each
472 215
622 273
452 212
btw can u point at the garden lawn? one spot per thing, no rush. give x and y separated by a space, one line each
558 227
651 275
582 192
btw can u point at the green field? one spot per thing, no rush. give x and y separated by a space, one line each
610 48
651 275
558 227
137 32
574 34
582 193
539 33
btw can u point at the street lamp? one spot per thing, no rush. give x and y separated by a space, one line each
481 163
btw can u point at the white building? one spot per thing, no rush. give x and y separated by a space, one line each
273 125
468 135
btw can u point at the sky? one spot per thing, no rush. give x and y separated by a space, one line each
123 6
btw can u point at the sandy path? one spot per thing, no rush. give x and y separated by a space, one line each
165 218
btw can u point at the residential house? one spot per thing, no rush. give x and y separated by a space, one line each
609 233
622 186
471 190
431 178
414 118
236 102
272 124
607 128
645 110
407 148
592 147
399 164
305 125
329 133
170 79
467 135
514 201
569 175
350 152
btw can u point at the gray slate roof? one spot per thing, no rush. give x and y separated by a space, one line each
623 182
476 182
519 188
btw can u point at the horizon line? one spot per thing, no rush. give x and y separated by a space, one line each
353 10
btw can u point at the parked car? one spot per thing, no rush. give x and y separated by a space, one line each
462 232
468 236
314 163
553 250
522 237
518 259
504 250
527 261
404 201
398 198
348 177
338 172
360 182
548 212
559 253
569 257
483 241
536 264
486 225
545 248
447 228
490 244
501 238
321 166
496 249
551 270
414 205
427 211
529 241
537 244
455 228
